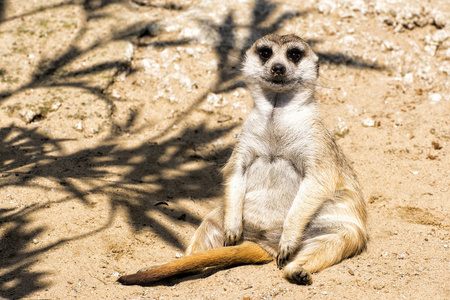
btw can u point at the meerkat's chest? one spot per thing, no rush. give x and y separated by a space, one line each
278 135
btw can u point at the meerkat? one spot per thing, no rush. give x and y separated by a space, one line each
290 194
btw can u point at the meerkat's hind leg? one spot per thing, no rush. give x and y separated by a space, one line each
209 234
299 276
322 251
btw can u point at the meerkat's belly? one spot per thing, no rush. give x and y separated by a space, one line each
271 186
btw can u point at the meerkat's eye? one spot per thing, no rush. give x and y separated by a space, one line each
265 53
295 54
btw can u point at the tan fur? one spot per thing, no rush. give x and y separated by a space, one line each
245 253
288 188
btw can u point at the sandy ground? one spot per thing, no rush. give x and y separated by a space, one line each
116 117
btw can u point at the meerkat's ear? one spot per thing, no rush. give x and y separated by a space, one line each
316 59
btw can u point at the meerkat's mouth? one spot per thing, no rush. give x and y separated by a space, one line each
277 82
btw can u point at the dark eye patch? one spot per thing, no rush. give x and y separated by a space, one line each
264 53
295 54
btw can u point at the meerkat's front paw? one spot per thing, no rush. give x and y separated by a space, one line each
284 253
286 250
232 237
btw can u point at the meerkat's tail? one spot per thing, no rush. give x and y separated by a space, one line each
245 253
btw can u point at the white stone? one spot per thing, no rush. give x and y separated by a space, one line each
27 115
369 122
408 78
78 126
216 100
435 97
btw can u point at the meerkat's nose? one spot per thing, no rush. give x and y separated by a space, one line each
278 70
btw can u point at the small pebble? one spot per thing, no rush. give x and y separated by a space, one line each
378 284
56 106
435 97
341 129
27 115
369 122
79 126
408 78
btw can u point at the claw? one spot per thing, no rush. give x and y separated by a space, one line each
230 239
228 243
283 257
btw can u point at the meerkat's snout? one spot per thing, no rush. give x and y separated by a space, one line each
278 70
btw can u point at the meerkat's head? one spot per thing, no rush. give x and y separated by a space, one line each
281 63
